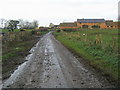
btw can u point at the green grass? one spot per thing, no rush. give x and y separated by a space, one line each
8 55
15 50
20 43
43 32
16 30
103 56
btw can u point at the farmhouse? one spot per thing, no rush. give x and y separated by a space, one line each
67 25
91 23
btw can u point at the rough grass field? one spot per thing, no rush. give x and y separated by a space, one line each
16 30
15 47
98 47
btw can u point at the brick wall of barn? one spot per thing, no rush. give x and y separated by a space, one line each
65 27
102 25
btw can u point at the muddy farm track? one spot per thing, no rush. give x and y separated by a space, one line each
51 65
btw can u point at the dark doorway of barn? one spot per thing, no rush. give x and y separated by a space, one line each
95 26
84 26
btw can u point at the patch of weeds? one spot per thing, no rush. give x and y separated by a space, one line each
14 52
8 56
102 56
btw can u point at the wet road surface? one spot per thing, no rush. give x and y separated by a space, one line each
51 65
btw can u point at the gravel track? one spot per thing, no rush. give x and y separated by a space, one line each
51 65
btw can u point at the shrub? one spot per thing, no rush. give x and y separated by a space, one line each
95 26
69 30
85 26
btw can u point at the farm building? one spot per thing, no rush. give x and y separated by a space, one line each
118 23
111 24
68 25
91 23
56 26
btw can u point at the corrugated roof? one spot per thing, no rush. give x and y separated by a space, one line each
68 24
91 20
111 23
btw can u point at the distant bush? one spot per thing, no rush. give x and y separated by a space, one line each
33 32
69 30
85 26
58 30
22 29
95 26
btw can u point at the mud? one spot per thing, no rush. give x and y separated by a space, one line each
51 65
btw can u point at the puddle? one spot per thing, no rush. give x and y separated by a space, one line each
29 57
52 74
12 79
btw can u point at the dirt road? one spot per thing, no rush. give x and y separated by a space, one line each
51 65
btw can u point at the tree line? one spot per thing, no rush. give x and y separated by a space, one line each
18 24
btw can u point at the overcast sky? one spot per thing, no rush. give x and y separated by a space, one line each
57 11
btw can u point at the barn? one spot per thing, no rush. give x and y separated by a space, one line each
67 25
91 23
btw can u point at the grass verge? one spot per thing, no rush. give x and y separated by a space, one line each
15 51
102 56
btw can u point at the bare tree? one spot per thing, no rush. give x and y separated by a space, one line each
21 23
2 21
6 24
35 23
13 24
51 25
